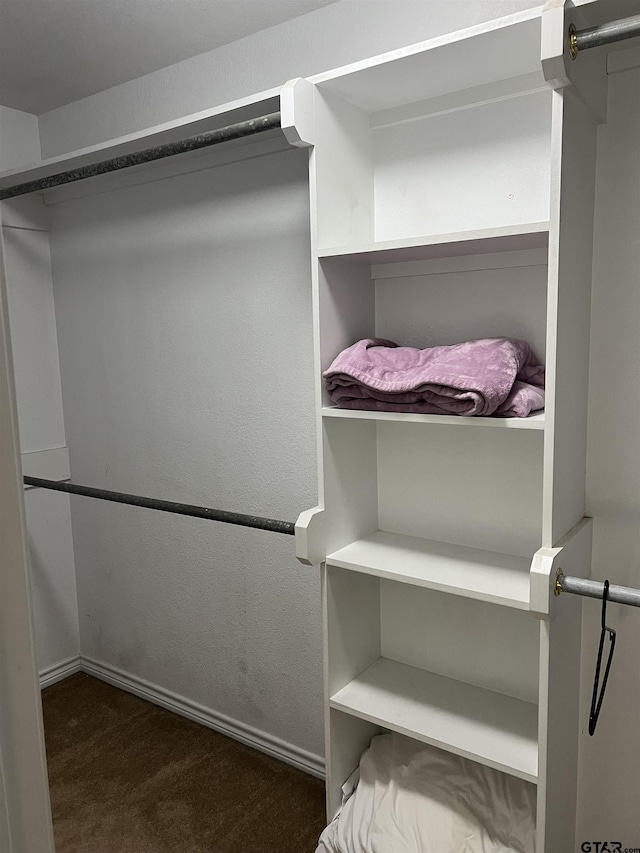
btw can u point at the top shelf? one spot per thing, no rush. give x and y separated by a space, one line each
506 48
173 131
509 238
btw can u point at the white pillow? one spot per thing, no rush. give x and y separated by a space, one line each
413 798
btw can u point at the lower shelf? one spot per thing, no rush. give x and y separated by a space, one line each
470 572
534 421
495 730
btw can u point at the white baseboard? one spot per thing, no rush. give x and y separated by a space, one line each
248 735
58 671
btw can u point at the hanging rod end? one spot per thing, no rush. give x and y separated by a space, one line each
572 37
557 584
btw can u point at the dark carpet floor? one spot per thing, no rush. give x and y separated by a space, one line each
129 777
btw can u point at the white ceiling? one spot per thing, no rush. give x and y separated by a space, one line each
53 52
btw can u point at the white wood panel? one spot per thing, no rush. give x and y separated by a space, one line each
468 572
560 724
495 730
478 487
570 263
35 339
234 111
346 313
350 481
465 263
326 692
508 47
486 645
349 646
353 643
498 90
346 307
535 422
24 790
47 464
350 736
54 596
438 310
343 172
26 211
484 167
623 60
502 238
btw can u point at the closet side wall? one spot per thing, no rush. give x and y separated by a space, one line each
39 399
609 793
184 315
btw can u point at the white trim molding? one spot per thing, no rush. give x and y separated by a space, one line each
250 736
58 671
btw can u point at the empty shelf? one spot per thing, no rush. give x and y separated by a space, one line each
509 238
469 572
532 422
479 724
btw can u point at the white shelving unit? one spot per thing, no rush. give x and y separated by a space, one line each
452 189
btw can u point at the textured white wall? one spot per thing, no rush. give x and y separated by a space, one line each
39 399
19 138
184 314
610 787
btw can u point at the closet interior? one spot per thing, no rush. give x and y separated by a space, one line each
451 189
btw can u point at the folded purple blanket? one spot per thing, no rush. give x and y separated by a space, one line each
495 376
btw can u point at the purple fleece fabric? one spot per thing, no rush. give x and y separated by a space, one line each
495 376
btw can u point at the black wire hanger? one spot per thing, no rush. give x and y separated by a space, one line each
596 701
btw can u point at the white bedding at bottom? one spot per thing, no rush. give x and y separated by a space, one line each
413 798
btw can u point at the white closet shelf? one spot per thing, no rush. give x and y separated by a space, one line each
455 569
535 422
497 50
504 238
190 125
488 727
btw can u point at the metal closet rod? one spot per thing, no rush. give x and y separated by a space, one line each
286 527
148 155
626 28
595 589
